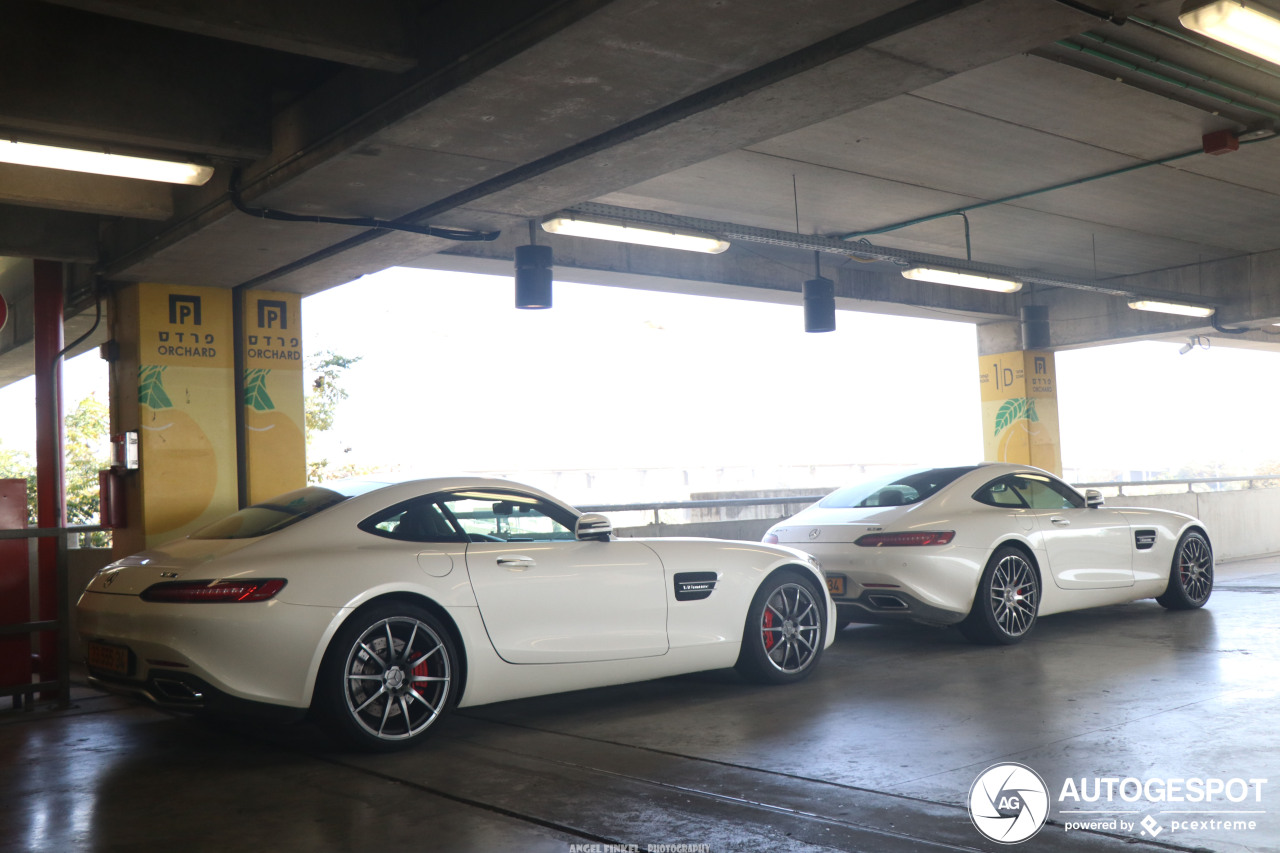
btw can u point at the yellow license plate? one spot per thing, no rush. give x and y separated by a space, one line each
106 658
835 584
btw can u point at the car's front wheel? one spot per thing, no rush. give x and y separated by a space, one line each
1007 601
388 678
785 630
1191 575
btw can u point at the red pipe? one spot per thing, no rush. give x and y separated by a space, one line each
50 470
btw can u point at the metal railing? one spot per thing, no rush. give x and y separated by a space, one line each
702 504
25 693
1189 482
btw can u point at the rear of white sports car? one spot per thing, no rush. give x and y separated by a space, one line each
204 641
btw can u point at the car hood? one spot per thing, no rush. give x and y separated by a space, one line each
182 559
821 525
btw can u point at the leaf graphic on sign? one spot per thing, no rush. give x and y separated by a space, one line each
1015 410
151 387
255 390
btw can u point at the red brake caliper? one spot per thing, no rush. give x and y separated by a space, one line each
769 639
423 669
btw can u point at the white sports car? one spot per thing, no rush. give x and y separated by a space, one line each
382 606
991 547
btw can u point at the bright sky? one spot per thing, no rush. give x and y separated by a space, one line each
452 377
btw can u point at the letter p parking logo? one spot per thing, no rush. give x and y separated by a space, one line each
1008 803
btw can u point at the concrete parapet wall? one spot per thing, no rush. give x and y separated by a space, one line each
1242 523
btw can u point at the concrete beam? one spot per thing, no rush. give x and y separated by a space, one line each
758 273
369 34
1246 289
27 232
82 193
169 90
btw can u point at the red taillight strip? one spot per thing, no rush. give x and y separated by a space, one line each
920 537
213 591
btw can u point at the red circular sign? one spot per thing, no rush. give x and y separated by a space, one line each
4 311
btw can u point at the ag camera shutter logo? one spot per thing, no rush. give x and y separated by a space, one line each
1008 803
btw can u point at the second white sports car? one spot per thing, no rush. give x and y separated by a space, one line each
992 547
380 607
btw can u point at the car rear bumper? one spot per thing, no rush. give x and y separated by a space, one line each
257 652
886 606
182 691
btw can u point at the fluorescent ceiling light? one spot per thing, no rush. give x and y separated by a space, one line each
1171 308
1242 25
962 279
572 227
99 163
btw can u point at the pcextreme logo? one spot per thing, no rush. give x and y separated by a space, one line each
1008 803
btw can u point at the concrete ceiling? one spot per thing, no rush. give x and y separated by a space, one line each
1070 133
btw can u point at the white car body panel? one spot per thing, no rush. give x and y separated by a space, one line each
570 602
589 613
1089 561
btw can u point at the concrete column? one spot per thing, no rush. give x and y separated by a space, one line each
275 441
1019 390
173 384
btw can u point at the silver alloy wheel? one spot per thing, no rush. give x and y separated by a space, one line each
397 678
1015 595
1195 569
790 626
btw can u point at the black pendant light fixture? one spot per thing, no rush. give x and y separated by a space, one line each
533 273
819 301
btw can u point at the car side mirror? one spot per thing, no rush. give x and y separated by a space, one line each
593 526
1092 498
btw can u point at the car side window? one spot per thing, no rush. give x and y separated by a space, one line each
1044 493
503 518
999 493
418 520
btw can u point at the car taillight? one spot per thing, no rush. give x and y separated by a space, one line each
213 591
922 537
770 539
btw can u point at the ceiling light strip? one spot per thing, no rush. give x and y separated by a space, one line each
861 249
102 163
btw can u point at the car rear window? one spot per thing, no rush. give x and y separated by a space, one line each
896 489
283 510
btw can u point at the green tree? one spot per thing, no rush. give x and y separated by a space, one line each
321 410
88 451
18 464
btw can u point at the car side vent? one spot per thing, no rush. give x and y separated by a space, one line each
694 586
1145 540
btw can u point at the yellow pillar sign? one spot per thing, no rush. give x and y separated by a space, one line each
185 394
1020 409
273 393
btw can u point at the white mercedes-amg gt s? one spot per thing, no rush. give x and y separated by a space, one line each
383 606
991 547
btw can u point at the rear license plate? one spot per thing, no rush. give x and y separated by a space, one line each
835 584
107 658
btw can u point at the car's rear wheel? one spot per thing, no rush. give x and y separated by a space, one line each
1007 601
1190 575
785 630
388 677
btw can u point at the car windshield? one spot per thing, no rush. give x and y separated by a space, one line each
281 511
896 489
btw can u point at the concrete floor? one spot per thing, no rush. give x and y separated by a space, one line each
876 752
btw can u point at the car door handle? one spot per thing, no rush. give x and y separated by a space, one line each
516 563
1059 520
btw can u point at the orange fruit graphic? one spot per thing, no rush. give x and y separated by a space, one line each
174 446
277 454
